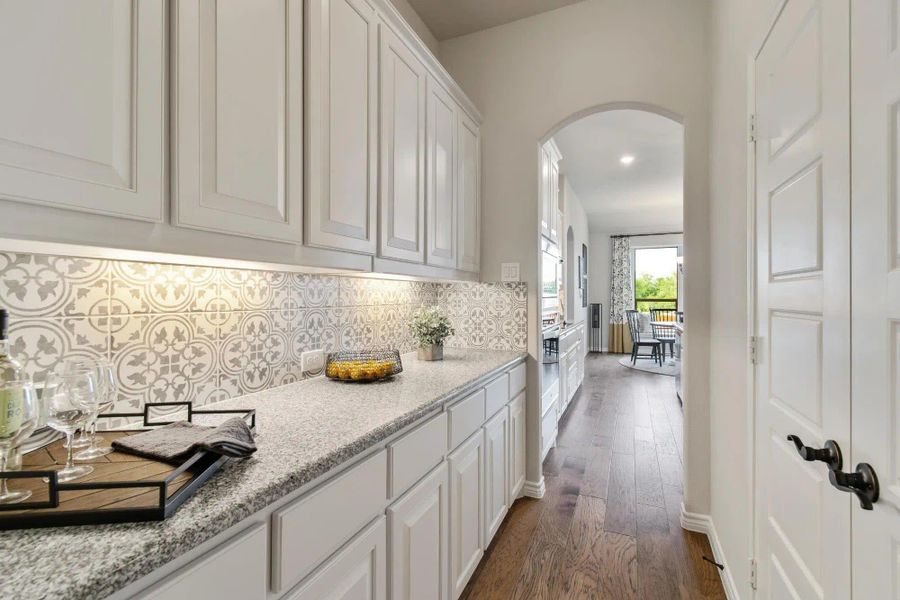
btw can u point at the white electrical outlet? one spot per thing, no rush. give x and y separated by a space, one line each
312 360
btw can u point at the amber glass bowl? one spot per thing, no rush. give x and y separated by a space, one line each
363 366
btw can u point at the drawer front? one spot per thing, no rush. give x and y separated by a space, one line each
549 398
496 394
305 532
416 453
516 380
236 569
466 416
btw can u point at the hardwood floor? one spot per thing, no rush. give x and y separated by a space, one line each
608 525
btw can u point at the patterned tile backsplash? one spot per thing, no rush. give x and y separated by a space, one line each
177 333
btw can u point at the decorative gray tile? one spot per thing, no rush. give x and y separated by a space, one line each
316 328
241 289
393 327
254 345
41 344
140 288
37 285
358 328
316 291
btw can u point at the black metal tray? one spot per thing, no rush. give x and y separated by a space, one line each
123 488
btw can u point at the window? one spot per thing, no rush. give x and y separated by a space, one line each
655 278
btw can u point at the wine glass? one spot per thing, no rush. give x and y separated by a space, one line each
18 417
106 395
71 367
71 399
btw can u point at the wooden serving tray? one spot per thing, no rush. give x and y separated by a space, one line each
122 488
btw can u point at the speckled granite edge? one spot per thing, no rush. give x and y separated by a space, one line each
208 513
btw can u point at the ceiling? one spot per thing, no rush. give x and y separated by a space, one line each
452 18
645 196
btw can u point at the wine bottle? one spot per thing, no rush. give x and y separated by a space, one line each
11 402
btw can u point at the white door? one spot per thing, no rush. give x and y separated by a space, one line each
466 511
419 524
81 118
356 572
875 101
238 114
496 473
516 446
342 125
441 177
402 202
468 193
803 299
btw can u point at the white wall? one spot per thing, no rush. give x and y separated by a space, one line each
530 77
415 21
575 218
735 26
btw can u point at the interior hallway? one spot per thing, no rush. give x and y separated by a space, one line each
608 525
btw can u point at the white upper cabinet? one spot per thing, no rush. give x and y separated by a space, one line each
545 192
550 223
441 192
82 106
238 117
342 126
402 200
468 193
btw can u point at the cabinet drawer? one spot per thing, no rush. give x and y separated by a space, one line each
496 394
516 380
305 532
466 416
236 569
416 453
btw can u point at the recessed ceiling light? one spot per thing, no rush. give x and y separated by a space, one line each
626 159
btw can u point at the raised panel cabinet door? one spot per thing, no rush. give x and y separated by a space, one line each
516 446
496 473
554 201
418 525
468 193
342 126
441 177
82 109
356 572
402 184
545 192
238 117
466 511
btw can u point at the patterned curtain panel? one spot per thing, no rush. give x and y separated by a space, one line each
621 295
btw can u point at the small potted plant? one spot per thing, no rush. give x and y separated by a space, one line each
430 326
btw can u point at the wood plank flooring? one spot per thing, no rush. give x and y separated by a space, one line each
608 525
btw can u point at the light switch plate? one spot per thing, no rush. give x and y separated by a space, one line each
509 272
312 360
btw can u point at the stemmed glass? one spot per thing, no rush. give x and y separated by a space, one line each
18 417
71 400
106 395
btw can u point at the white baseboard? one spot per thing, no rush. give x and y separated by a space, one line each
704 524
534 489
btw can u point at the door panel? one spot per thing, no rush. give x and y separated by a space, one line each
802 239
466 511
91 136
238 115
875 99
403 86
342 104
496 486
441 177
468 186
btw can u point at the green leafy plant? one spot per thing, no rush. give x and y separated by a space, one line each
430 326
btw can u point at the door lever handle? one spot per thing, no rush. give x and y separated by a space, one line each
830 454
863 482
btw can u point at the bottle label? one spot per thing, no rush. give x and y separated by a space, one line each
12 410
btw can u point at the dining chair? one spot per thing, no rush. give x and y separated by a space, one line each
639 340
664 333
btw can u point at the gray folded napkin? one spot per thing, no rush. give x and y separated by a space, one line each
178 441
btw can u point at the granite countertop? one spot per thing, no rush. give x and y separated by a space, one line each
304 430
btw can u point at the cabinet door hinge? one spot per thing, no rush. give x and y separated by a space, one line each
753 573
751 129
754 349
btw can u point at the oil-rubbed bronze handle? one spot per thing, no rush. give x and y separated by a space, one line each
830 454
863 482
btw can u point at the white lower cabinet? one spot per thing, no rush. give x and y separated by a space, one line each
418 525
357 572
466 511
496 465
516 446
236 569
